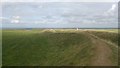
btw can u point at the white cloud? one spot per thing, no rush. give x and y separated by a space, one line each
52 20
2 18
15 19
89 22
40 6
112 8
111 11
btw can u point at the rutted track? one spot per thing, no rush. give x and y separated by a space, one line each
102 52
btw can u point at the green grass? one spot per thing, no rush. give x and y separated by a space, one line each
56 47
109 36
0 48
112 37
45 48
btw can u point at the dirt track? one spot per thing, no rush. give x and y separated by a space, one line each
102 52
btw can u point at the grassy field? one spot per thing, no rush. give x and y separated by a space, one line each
0 48
56 47
112 38
106 35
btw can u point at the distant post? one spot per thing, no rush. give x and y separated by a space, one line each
77 29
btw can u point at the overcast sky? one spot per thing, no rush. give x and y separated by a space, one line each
59 15
60 0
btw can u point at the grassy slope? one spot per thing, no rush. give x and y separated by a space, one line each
112 37
0 48
109 36
21 47
49 47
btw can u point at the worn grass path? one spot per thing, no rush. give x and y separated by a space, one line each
102 52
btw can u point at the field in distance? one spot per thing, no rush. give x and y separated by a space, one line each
60 47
